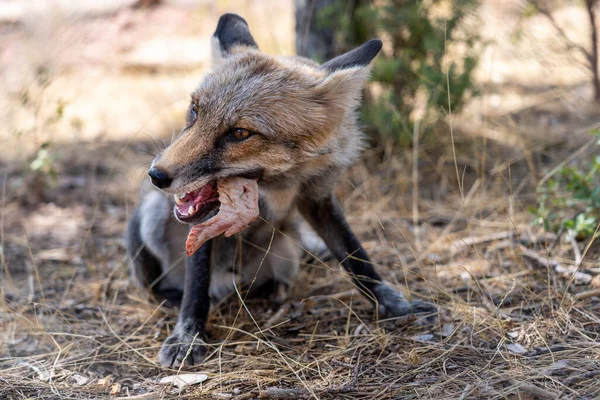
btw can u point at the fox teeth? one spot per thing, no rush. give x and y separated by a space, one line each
178 199
182 195
191 210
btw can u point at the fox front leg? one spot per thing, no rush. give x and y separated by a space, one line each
186 344
327 219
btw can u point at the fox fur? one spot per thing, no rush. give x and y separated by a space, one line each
305 134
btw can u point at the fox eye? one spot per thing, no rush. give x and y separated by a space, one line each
241 133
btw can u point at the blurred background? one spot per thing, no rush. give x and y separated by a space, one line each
478 190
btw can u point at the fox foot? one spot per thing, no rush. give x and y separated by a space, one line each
393 304
183 346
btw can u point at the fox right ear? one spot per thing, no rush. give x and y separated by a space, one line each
359 57
341 88
232 36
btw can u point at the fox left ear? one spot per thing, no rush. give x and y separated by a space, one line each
232 35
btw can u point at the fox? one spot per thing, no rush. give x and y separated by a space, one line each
292 125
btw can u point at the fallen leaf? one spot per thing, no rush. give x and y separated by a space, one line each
447 330
414 357
115 388
80 380
513 334
516 348
556 367
45 375
183 380
105 381
423 338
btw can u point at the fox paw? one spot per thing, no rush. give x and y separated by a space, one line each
393 304
182 347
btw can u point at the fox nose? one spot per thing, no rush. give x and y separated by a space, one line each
159 178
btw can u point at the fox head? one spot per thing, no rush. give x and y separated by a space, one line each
265 117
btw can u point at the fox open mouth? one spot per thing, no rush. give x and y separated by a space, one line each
198 205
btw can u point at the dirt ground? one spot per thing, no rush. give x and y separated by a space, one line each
91 91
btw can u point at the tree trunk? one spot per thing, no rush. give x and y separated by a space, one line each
146 3
313 40
594 53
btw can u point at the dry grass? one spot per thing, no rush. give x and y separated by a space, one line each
516 320
510 326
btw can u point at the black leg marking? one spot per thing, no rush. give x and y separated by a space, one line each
393 304
327 219
186 343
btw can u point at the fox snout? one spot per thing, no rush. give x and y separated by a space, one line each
183 176
186 164
159 178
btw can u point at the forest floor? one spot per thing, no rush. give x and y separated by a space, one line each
87 99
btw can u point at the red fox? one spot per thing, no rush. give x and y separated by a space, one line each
286 122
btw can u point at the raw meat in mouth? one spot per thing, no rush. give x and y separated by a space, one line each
238 208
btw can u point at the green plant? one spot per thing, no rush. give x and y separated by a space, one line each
414 71
570 200
44 164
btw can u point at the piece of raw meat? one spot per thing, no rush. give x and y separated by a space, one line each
238 209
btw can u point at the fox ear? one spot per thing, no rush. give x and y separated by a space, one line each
232 35
341 89
359 57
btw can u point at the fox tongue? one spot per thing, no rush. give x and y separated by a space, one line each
238 209
189 203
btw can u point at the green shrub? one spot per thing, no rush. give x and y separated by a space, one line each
570 200
414 59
